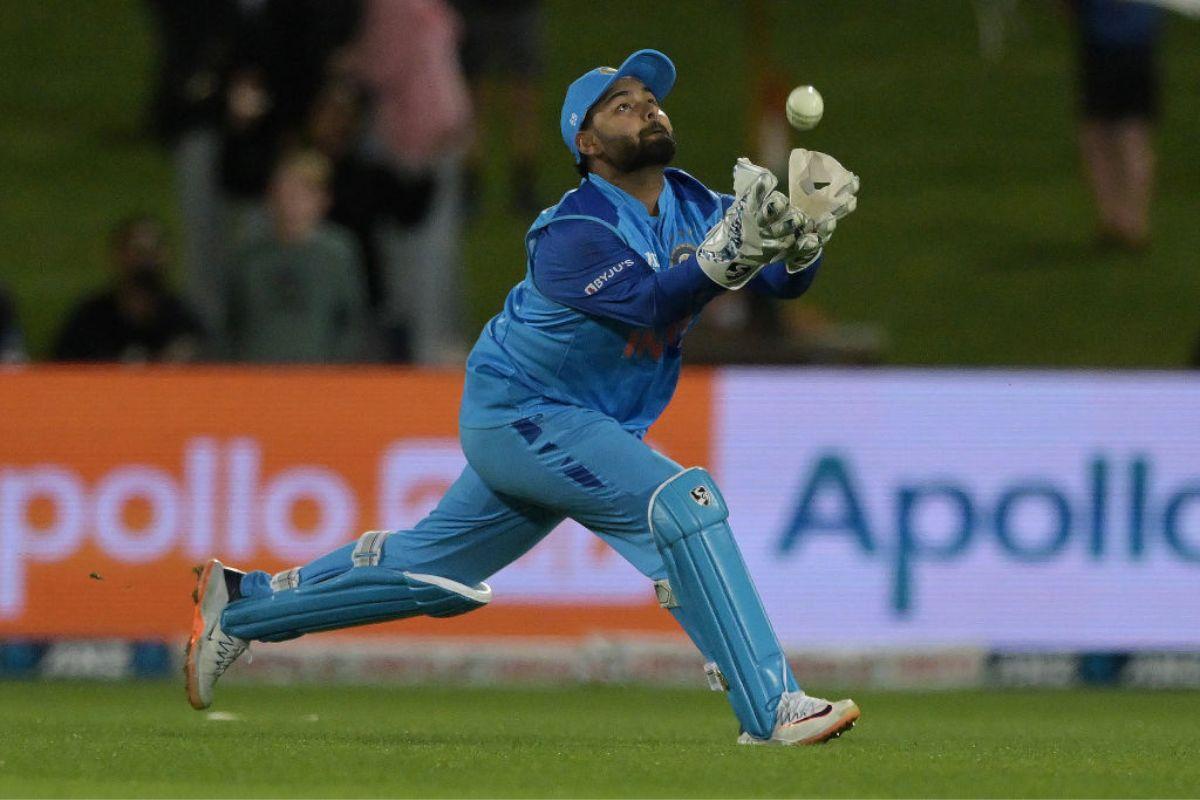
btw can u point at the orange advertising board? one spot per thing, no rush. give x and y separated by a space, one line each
115 482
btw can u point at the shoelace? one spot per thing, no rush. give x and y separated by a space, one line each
794 706
228 649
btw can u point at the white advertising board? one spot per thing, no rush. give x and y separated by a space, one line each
1002 509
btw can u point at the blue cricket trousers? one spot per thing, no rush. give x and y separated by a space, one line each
521 481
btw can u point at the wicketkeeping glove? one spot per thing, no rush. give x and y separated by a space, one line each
823 191
758 228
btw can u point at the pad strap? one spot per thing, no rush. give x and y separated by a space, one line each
666 597
716 679
288 579
369 549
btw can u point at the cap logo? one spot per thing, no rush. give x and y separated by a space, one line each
574 119
607 70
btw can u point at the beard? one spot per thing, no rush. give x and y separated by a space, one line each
653 147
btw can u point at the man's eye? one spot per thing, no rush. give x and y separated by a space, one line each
652 101
623 107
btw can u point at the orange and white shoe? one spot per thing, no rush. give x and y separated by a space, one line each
801 719
210 650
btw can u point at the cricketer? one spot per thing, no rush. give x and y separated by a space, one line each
560 389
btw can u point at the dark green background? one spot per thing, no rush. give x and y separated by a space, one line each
972 243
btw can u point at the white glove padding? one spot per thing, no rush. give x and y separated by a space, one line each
757 229
810 243
823 191
779 220
804 253
821 187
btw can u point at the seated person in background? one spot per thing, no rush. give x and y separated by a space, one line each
137 318
296 289
12 346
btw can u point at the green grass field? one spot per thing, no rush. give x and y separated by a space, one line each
972 243
142 740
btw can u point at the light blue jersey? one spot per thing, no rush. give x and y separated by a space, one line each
609 292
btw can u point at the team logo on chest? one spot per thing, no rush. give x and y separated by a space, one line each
682 253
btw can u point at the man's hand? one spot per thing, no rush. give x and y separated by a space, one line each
757 229
823 191
821 187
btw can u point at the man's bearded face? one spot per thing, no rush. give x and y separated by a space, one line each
654 145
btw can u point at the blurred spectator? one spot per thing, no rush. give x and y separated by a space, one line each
195 51
366 192
236 80
1119 87
137 318
408 57
284 51
502 57
296 290
12 344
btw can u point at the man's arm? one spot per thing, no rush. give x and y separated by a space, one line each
584 265
777 280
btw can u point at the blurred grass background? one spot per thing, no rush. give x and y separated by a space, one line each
973 243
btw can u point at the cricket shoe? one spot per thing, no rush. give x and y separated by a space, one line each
210 650
801 719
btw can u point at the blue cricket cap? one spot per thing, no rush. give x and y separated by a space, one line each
651 67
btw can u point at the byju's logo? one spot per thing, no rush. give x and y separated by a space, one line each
603 278
1118 516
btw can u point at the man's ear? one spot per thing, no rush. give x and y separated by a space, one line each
587 142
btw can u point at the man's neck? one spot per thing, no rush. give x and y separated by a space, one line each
645 184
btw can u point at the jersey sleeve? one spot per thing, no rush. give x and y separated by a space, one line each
586 266
776 281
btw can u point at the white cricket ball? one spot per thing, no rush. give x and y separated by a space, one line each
804 108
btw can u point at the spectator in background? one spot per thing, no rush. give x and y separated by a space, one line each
236 81
284 52
502 58
407 55
195 40
137 318
12 344
366 193
1119 86
297 292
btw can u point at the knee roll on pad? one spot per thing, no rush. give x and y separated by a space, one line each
714 591
361 595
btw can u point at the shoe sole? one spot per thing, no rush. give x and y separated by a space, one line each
192 678
841 726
